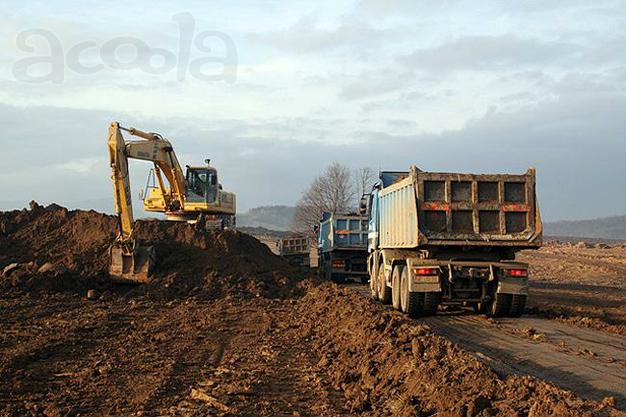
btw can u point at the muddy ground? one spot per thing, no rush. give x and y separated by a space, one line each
227 328
584 284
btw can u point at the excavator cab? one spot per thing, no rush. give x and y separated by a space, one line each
202 185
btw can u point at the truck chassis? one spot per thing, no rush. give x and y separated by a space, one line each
417 285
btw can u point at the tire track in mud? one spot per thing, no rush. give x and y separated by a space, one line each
577 369
587 362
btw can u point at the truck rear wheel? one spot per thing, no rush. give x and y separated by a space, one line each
518 304
411 303
500 306
337 278
384 292
395 286
431 303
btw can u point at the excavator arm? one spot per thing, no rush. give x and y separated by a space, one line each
121 182
130 263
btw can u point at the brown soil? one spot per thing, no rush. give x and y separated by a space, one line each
583 284
189 262
227 328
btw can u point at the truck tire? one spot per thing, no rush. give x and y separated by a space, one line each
518 304
411 303
500 306
373 285
395 286
431 303
337 278
384 292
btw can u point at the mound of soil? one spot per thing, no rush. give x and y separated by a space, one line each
54 249
387 364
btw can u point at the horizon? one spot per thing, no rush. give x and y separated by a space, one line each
138 208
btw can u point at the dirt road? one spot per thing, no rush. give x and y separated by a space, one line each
588 362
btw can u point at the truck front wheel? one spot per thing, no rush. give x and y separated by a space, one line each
373 284
384 292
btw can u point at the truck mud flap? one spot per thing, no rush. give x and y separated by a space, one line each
515 286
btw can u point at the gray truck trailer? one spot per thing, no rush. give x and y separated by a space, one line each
451 238
296 249
342 247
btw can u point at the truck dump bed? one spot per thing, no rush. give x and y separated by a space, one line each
444 209
342 231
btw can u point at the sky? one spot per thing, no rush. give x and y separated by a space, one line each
273 93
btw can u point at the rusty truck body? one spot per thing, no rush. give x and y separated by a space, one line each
438 238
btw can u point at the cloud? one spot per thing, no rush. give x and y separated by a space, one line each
575 142
307 37
374 83
491 53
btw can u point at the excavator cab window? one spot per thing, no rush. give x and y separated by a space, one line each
201 185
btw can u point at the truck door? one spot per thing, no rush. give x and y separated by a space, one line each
372 235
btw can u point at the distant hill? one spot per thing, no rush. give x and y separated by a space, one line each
268 217
603 228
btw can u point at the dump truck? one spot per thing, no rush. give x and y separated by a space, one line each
342 247
451 238
295 249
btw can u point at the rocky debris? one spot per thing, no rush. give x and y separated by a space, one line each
92 295
50 268
6 272
583 245
201 395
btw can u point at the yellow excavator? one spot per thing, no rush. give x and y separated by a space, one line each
194 197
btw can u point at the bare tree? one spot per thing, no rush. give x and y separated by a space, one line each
331 191
364 179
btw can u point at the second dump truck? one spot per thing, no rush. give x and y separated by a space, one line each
342 247
438 238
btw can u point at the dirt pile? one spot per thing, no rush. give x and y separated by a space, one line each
54 249
389 365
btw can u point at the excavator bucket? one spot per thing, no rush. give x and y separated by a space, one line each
131 266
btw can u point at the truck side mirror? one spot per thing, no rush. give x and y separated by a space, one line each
363 205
